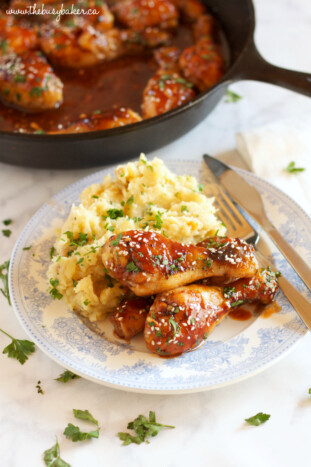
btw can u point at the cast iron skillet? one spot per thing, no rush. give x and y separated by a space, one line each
110 146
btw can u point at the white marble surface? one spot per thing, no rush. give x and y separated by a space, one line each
209 426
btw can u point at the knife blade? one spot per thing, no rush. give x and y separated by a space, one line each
250 200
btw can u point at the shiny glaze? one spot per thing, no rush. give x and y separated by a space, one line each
118 116
166 90
119 83
181 319
149 263
27 81
129 317
240 314
269 310
140 14
202 64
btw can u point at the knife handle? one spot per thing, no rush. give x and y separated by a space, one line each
299 302
292 257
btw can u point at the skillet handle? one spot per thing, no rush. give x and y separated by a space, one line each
253 66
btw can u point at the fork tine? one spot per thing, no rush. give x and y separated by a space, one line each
229 214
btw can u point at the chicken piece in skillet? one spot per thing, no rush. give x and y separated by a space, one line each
149 263
140 14
129 317
105 120
206 27
165 91
28 83
16 36
202 64
190 9
167 57
103 20
78 47
136 41
181 319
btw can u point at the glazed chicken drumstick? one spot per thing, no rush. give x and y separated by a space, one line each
149 263
181 319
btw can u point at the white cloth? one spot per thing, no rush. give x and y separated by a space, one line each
269 149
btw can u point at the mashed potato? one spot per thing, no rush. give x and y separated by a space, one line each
142 195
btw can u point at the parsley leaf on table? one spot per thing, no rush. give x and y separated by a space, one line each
232 96
4 277
143 428
258 419
75 434
292 169
18 349
7 221
84 415
66 376
6 232
52 457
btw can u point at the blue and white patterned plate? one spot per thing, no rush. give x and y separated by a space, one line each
235 350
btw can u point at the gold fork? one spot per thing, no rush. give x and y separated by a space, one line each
238 226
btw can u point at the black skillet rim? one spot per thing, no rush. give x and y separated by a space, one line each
102 134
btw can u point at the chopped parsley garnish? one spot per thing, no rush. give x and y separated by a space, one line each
18 349
292 169
19 78
131 267
95 196
200 187
39 389
175 326
228 291
26 248
80 261
6 232
184 82
258 419
208 262
52 252
70 24
4 277
52 457
143 428
115 213
158 221
53 291
85 415
310 391
74 282
7 221
237 303
117 240
205 336
232 96
130 200
66 376
81 240
75 434
86 302
4 45
36 91
184 209
109 281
